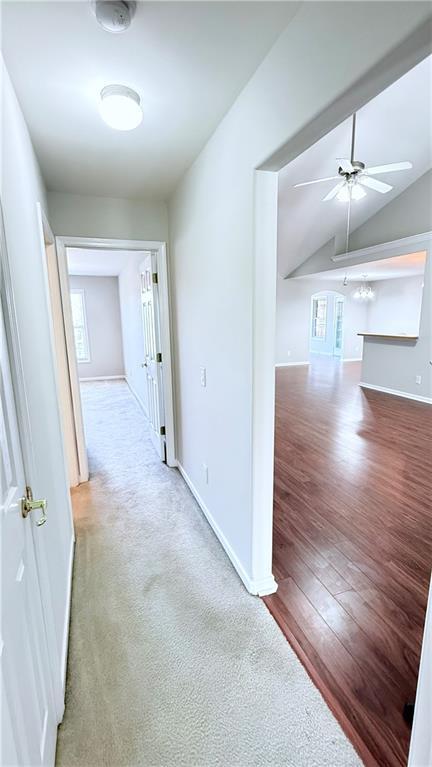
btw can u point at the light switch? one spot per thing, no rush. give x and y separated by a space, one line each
203 377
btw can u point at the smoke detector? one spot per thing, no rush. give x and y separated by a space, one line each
114 15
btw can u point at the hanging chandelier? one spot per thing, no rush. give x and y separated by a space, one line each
364 292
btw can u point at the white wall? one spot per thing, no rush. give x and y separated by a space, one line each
293 319
396 306
85 216
211 219
101 298
133 341
21 189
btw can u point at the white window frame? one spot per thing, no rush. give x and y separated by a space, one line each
81 292
315 300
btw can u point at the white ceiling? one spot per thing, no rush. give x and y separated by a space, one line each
410 265
395 126
187 60
99 262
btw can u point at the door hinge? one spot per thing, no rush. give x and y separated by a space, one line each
159 357
162 431
155 278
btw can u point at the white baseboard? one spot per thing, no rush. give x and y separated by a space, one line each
290 364
397 393
138 399
65 643
352 359
258 588
103 378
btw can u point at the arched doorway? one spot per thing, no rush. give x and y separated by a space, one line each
326 325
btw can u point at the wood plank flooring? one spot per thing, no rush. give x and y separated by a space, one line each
353 546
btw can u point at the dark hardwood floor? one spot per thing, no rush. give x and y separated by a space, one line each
353 546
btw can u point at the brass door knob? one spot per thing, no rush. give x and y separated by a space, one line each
28 505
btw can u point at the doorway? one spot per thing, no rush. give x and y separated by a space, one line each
326 324
125 282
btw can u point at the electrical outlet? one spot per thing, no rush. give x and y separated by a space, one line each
289 353
205 473
203 377
418 379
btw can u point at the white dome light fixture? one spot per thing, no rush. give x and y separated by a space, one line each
120 107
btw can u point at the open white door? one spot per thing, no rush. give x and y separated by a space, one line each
29 719
152 351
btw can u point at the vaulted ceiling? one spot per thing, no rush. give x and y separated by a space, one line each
187 60
395 126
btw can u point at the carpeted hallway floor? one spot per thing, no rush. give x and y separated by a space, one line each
172 663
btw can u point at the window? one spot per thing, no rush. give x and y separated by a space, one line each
80 326
319 318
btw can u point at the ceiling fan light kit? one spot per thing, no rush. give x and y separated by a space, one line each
353 176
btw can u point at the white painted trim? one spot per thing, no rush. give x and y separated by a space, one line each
138 398
290 364
72 361
106 243
165 341
352 359
397 393
103 378
263 379
65 643
420 751
415 240
258 588
57 319
159 248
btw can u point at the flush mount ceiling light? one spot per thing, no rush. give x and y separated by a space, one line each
120 107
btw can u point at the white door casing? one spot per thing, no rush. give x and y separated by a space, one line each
29 716
153 362
338 326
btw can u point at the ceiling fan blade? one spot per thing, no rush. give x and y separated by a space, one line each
389 168
373 183
345 164
333 192
316 181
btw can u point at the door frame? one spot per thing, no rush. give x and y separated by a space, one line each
338 299
78 472
160 248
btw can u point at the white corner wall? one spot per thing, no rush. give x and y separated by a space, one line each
85 216
396 307
211 220
102 306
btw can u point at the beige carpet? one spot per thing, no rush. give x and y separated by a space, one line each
171 661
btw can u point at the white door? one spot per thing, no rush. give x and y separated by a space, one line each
338 327
152 352
29 720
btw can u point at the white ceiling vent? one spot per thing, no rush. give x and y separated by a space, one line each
114 15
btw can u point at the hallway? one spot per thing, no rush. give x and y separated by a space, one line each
171 661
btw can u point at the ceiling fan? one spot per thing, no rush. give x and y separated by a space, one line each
353 176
